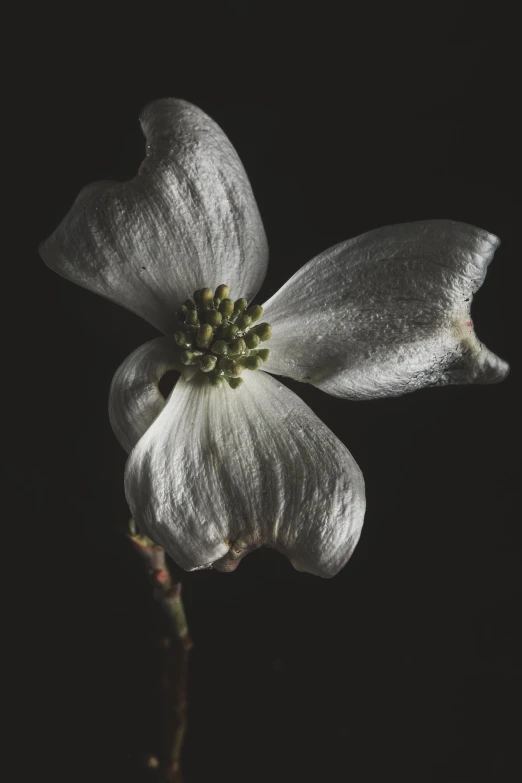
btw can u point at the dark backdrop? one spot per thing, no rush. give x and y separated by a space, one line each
406 665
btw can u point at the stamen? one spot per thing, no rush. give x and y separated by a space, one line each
227 342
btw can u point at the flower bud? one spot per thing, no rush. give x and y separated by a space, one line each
263 331
255 312
226 308
222 292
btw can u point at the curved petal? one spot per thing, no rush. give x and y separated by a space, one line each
386 313
222 471
134 398
187 220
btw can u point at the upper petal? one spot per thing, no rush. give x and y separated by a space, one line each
134 398
386 313
223 471
188 219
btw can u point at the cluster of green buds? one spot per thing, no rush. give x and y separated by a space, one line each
220 336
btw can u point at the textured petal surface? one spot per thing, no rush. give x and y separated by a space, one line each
222 471
134 398
386 313
187 220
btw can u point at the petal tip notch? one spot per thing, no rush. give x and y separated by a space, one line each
489 367
476 364
238 549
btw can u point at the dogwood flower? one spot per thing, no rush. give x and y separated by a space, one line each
233 459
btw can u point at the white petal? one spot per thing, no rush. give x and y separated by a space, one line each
135 400
386 313
222 471
187 220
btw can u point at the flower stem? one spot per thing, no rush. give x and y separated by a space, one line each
176 644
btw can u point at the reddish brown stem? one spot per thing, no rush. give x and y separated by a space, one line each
176 644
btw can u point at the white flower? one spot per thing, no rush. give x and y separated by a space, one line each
215 471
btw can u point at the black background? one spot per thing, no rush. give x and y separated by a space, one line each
406 665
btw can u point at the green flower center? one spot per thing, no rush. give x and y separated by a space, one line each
221 337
